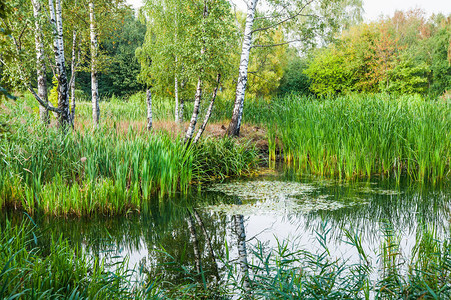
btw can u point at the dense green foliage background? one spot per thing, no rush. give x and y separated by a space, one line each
403 54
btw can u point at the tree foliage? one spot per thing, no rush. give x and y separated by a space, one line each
402 54
177 31
120 76
294 79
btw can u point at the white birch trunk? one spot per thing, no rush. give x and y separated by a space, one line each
176 82
195 242
40 62
73 68
181 110
242 251
210 108
194 116
58 45
94 82
149 109
176 93
182 103
235 123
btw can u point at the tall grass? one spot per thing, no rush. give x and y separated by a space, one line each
105 171
34 268
29 270
362 135
288 272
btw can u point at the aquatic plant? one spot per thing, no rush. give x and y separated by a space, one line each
288 272
363 135
106 171
33 268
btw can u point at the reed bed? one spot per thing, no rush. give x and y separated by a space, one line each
105 171
288 272
34 268
362 135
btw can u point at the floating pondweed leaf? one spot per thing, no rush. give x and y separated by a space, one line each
275 197
380 191
262 190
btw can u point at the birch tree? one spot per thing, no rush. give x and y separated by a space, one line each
188 43
213 35
163 43
21 49
40 61
92 22
56 22
304 21
94 83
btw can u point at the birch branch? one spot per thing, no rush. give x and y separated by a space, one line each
298 13
275 45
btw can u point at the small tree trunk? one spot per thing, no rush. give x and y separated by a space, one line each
149 109
176 81
40 63
181 109
58 45
235 123
182 103
210 108
242 252
195 242
73 68
194 116
176 93
94 82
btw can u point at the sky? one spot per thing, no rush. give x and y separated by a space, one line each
375 8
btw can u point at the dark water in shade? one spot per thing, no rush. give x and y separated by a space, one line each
277 207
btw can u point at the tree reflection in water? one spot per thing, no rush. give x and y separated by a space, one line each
186 240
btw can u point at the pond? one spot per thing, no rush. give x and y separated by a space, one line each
264 212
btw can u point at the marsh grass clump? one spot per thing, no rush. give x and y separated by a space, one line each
104 170
220 158
34 268
363 135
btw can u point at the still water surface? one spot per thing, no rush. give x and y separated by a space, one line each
278 207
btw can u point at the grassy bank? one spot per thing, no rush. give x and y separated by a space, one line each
361 135
104 171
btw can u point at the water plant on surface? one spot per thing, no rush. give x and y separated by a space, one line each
275 197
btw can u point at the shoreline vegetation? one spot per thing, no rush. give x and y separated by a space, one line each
114 170
364 135
34 267
117 168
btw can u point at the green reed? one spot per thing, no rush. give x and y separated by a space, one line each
34 268
362 135
105 171
288 272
